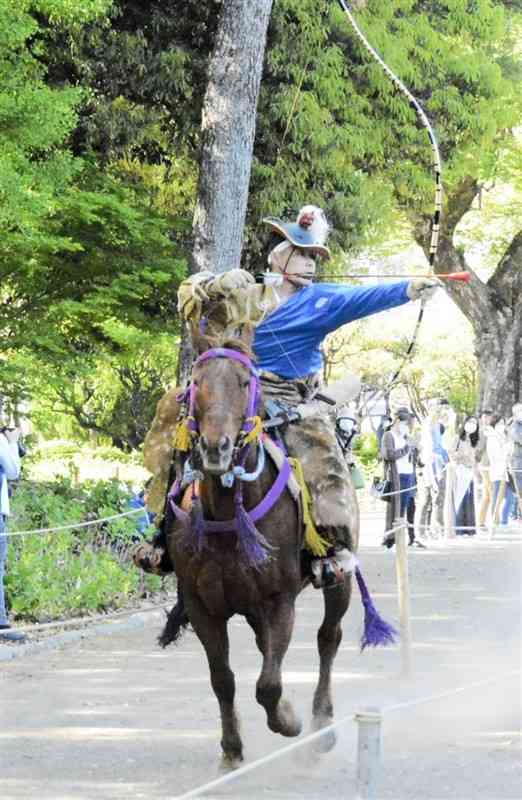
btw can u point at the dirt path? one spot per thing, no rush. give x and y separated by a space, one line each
115 717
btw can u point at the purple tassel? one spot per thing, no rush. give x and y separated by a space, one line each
376 630
252 545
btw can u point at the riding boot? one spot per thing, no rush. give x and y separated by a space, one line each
153 556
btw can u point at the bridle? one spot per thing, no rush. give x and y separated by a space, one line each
254 549
187 431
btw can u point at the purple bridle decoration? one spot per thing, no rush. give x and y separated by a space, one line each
252 545
254 391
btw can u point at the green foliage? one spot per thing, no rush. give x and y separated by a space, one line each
100 107
73 572
366 449
458 382
86 249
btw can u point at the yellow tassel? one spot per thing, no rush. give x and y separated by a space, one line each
255 434
182 437
314 542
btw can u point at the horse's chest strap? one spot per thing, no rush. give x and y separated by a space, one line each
255 514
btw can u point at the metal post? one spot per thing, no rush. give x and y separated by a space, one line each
403 587
368 752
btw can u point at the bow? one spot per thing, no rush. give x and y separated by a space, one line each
437 170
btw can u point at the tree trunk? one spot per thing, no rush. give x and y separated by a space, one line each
498 342
228 130
494 309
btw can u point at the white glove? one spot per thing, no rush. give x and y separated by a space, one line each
422 288
232 280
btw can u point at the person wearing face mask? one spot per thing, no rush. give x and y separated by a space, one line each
397 450
515 459
464 460
483 467
291 316
497 450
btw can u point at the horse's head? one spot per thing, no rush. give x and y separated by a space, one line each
225 391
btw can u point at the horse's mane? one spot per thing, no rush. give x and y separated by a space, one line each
205 342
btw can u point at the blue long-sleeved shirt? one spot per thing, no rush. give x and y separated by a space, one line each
288 341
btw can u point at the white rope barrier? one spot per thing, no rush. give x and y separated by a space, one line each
312 737
399 491
74 525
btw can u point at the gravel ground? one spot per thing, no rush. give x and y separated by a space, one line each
113 716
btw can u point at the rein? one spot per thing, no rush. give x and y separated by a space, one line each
252 546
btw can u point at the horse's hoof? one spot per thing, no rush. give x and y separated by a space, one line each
326 742
285 721
230 762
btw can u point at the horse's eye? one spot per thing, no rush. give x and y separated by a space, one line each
244 384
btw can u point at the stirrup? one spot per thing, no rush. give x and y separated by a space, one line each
331 571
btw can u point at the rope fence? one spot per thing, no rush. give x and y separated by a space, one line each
313 737
71 526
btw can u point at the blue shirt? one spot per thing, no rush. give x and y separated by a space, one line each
288 341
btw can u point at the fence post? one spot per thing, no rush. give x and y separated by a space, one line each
403 587
368 752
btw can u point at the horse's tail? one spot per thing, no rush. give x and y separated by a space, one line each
177 622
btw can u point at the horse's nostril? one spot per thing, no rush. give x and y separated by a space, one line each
203 442
225 443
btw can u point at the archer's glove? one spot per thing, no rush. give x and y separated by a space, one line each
422 288
232 280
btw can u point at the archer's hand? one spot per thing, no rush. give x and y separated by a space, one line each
232 280
422 288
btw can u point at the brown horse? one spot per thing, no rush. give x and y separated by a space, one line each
217 583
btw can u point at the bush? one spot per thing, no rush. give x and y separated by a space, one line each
73 572
366 449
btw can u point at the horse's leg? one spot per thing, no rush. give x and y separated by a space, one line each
273 629
213 634
336 602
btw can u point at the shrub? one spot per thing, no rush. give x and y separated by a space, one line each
73 572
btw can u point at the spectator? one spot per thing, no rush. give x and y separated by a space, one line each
462 496
502 493
9 470
515 459
143 521
397 457
434 457
483 475
447 420
411 508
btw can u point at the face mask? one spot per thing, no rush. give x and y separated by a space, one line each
470 427
273 279
403 428
500 428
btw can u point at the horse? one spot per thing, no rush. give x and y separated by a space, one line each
237 547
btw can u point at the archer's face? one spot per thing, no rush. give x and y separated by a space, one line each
295 264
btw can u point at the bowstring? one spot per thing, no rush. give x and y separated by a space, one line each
437 169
